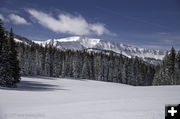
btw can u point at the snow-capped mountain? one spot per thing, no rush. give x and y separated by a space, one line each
92 44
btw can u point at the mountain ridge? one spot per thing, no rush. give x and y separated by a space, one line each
98 45
83 43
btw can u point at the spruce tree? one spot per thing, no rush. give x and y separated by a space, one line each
178 60
168 73
9 66
13 58
5 67
1 37
171 66
177 74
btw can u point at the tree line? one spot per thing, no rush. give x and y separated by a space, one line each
50 61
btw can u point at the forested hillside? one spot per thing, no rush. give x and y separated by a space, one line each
49 61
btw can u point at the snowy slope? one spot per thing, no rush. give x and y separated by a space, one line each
81 43
17 40
41 98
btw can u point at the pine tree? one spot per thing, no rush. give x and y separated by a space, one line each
178 60
168 73
1 36
171 66
9 65
5 67
85 68
177 74
13 58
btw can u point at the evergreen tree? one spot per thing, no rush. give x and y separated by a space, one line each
168 73
85 68
178 60
177 67
13 58
6 77
171 66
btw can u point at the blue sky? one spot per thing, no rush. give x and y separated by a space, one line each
142 23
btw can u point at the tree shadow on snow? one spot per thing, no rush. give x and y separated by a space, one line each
71 78
34 86
41 77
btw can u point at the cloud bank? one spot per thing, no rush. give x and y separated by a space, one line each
65 23
17 19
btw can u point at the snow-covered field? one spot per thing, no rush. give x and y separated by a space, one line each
54 98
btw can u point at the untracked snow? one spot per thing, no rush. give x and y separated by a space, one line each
56 98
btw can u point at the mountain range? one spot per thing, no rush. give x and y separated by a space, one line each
98 45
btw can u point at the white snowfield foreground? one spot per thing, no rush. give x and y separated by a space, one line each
55 98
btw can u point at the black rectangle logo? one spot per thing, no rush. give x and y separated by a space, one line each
172 111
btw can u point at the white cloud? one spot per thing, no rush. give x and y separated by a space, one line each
66 23
18 20
98 28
